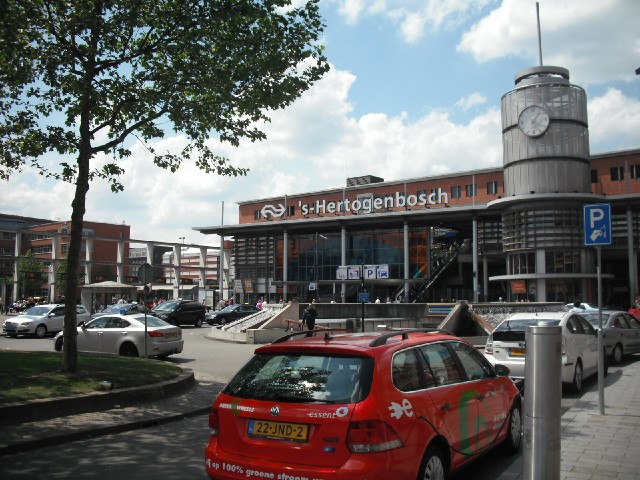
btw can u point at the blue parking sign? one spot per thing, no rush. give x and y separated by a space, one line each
597 224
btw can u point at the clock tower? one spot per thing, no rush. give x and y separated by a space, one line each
545 134
547 180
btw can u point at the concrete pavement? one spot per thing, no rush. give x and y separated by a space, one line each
593 446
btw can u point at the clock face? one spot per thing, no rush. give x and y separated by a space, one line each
534 121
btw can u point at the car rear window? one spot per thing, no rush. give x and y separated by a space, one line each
511 330
301 377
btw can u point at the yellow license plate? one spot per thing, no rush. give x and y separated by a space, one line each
170 335
297 432
517 352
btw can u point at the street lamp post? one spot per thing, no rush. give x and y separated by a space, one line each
180 269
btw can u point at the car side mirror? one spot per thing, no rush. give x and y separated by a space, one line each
501 370
82 325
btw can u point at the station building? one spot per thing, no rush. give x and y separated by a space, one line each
515 233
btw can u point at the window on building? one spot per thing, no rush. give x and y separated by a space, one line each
492 188
456 191
64 247
291 211
634 171
470 190
617 174
594 176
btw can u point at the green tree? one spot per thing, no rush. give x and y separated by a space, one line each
75 71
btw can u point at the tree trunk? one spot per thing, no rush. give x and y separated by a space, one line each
72 296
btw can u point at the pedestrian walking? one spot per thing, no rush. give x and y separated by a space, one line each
309 317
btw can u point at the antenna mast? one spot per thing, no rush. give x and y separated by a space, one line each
539 35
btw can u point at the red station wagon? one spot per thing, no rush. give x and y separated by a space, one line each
406 404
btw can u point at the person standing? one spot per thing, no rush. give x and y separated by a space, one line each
309 317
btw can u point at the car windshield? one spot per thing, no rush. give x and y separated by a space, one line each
298 377
230 308
38 311
151 321
167 306
521 325
114 308
594 318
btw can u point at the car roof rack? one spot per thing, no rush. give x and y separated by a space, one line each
326 331
382 340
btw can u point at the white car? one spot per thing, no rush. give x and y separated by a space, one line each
506 345
585 307
42 320
621 332
125 335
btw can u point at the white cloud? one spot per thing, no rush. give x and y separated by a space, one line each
576 34
614 121
471 101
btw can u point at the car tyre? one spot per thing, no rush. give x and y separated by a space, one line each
513 441
576 385
41 331
223 321
58 344
128 349
434 466
198 323
616 356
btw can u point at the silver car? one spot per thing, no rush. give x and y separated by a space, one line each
41 320
620 332
125 335
506 345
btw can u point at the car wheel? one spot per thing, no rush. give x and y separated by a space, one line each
513 441
433 465
58 344
128 350
617 354
223 321
576 385
198 323
41 331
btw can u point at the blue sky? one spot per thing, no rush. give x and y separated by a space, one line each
414 91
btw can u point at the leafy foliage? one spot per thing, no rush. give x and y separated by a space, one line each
87 77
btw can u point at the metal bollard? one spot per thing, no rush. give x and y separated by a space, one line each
542 404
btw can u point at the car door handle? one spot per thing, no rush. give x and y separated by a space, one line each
445 406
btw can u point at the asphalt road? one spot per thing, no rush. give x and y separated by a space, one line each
174 450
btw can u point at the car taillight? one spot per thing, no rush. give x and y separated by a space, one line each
488 348
371 436
154 333
214 425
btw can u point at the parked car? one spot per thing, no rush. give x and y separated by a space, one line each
229 314
506 345
181 312
122 308
125 335
378 405
587 307
42 320
620 332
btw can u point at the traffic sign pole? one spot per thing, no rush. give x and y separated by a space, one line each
597 232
